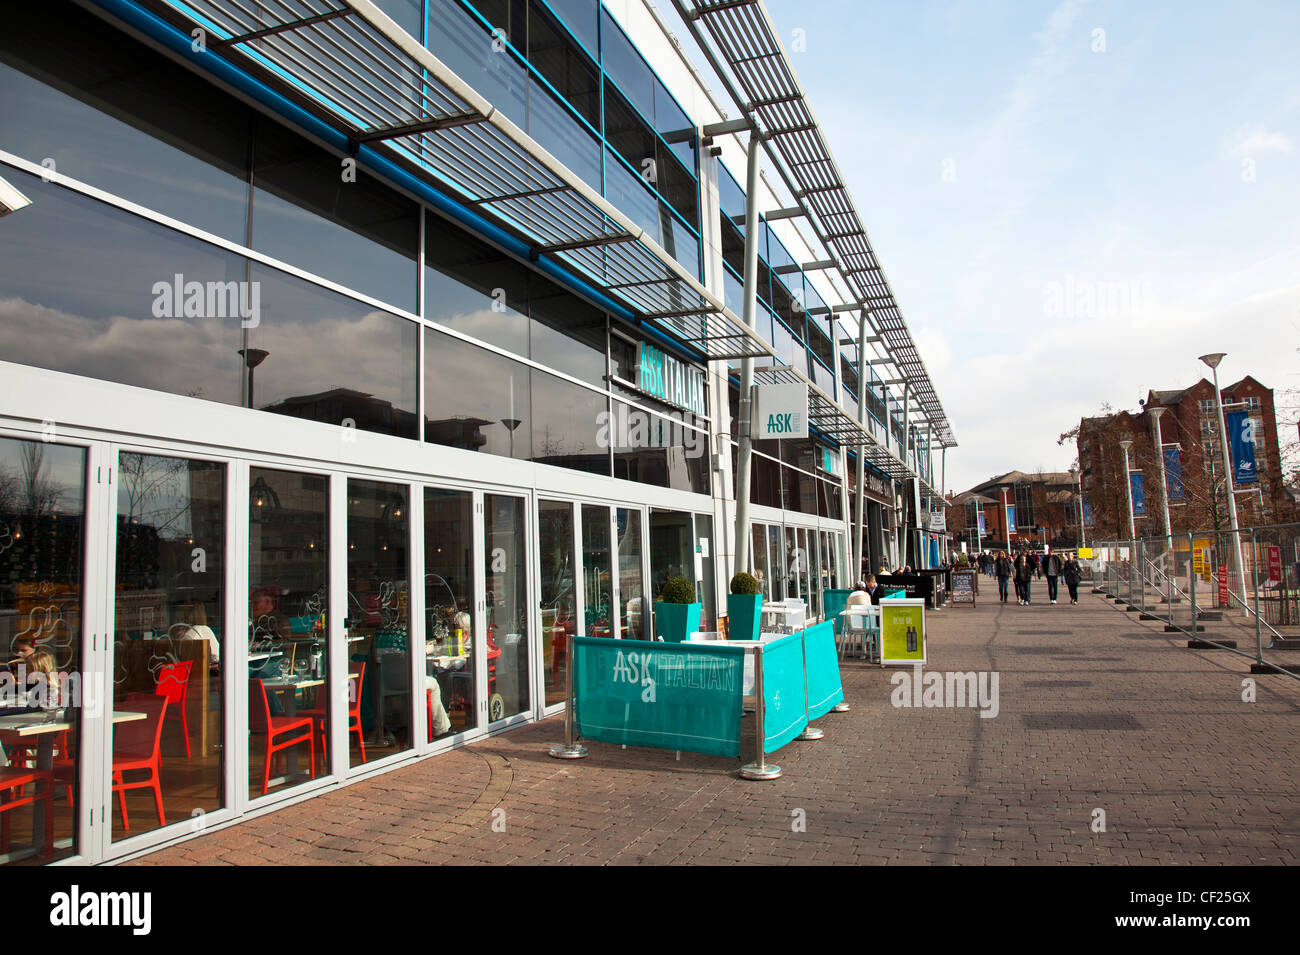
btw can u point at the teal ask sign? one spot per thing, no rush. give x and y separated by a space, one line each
679 696
664 377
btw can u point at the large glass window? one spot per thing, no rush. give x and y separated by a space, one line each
379 648
475 399
506 582
288 649
450 690
355 231
474 287
582 17
123 319
566 425
105 109
169 604
626 68
42 533
558 600
467 47
564 66
560 134
325 357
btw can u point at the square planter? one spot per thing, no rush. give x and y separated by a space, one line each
674 622
743 612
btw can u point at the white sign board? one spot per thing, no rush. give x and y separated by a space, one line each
779 411
939 521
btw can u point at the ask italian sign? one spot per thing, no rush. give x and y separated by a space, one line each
664 377
779 411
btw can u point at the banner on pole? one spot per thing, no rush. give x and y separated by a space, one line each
1241 432
1011 518
1139 495
983 530
1174 473
1087 513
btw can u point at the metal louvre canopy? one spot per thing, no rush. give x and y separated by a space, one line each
350 66
744 37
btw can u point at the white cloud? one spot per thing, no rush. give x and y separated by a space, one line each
1252 140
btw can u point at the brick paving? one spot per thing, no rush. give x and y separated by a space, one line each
1097 711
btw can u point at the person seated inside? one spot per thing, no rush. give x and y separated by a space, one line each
873 589
21 649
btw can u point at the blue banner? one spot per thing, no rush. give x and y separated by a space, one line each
984 531
785 712
1087 513
1174 474
1241 431
1139 495
1011 518
823 665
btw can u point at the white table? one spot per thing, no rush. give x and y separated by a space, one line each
37 725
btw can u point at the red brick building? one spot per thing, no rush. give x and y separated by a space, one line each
1188 421
1046 511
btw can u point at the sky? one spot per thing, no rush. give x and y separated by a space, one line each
1072 201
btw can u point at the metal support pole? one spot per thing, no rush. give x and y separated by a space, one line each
1228 484
569 749
1259 634
810 732
760 768
859 507
743 561
1191 576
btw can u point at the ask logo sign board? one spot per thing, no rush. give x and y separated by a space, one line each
779 411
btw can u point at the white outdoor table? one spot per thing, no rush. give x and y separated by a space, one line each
36 725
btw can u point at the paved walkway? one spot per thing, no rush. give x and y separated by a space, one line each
1097 711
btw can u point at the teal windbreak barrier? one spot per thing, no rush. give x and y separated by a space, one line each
834 601
784 713
823 665
898 593
679 696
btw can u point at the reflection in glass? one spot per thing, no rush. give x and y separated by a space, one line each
597 582
760 562
631 597
42 512
450 690
706 591
506 583
475 399
566 425
558 602
288 589
168 607
672 553
378 626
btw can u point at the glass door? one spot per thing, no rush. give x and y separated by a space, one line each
633 619
505 579
450 667
288 650
380 706
705 591
597 578
169 600
558 601
758 535
43 556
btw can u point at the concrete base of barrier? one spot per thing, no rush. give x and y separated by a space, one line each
1210 615
1132 609
1216 645
1148 616
1170 628
1285 643
1288 667
1166 600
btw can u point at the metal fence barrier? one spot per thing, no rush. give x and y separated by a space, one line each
1222 589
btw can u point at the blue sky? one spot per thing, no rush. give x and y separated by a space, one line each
1064 225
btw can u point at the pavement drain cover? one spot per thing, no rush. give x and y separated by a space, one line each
1081 721
1046 651
1058 683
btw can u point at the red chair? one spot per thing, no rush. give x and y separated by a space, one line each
174 684
137 747
356 673
13 783
281 731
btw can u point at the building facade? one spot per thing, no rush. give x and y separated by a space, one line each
354 361
1042 508
1194 465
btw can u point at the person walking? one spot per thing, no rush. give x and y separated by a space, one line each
1002 567
1024 574
1051 570
1073 574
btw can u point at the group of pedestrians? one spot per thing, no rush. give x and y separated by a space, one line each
1025 567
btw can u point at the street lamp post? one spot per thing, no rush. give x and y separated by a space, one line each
1213 360
1164 486
1083 535
1127 443
1006 518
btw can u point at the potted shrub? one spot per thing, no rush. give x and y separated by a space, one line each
676 613
743 605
